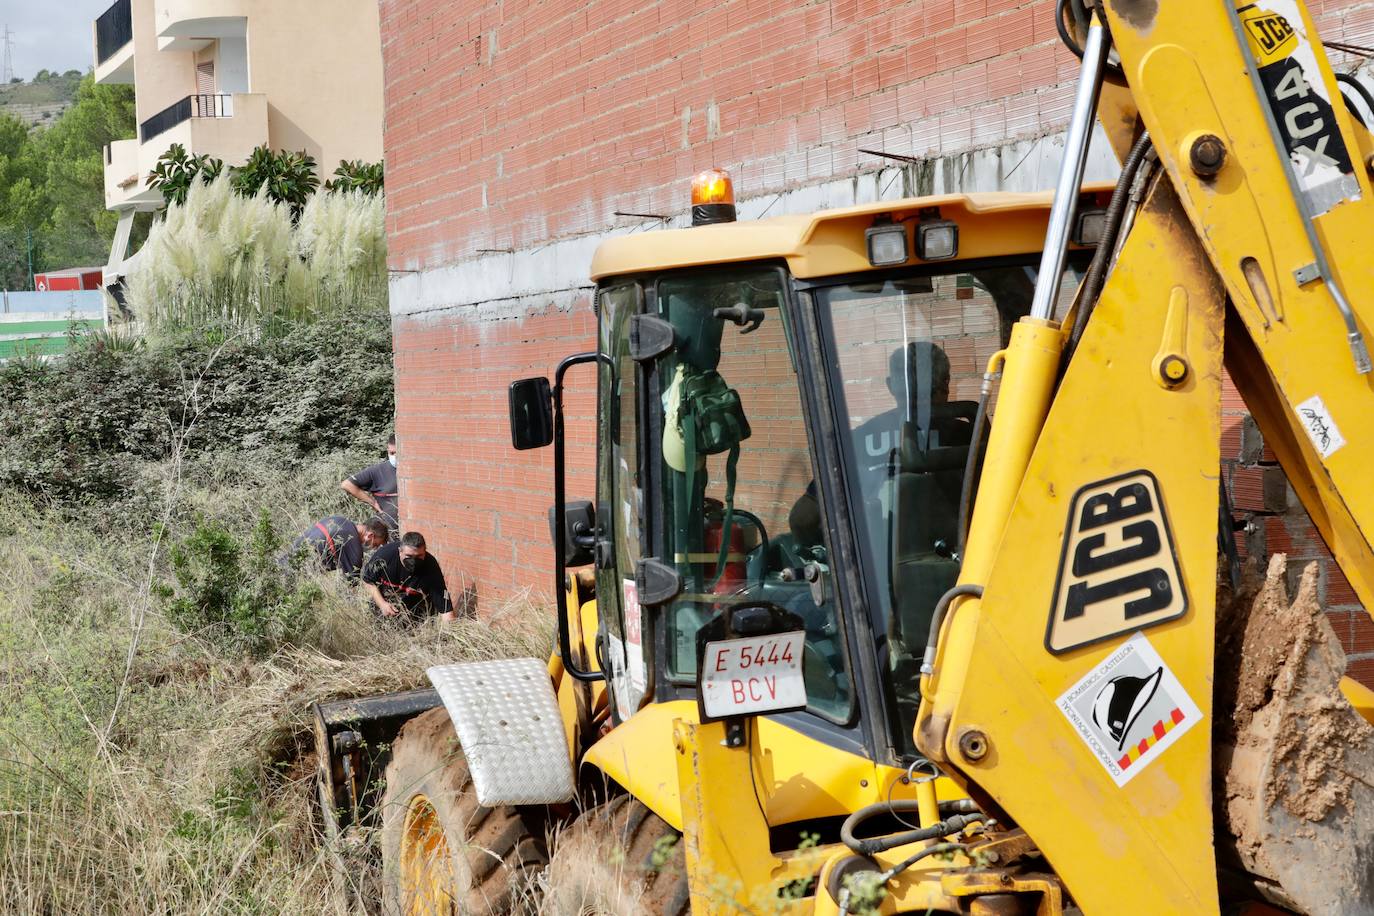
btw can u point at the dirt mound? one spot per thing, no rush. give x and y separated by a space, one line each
1292 754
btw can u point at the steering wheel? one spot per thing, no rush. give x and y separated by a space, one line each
759 555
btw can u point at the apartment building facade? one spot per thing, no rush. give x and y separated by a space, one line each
222 77
520 134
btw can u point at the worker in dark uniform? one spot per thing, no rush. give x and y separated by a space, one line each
376 486
339 544
405 581
918 378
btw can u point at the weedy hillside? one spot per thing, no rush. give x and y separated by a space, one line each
156 664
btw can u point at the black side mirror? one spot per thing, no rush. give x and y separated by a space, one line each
579 523
531 413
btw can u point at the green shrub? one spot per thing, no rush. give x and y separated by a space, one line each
145 770
357 175
177 170
286 178
77 431
282 177
233 594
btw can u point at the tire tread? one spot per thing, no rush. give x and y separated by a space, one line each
498 848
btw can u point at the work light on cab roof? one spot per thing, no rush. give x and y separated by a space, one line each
887 242
937 239
713 198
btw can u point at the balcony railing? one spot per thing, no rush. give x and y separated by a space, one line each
113 30
215 105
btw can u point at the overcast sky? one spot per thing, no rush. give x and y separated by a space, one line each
50 34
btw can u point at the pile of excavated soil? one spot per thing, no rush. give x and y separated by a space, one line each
1293 757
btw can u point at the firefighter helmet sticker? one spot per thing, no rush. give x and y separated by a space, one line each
1129 709
1117 569
1122 701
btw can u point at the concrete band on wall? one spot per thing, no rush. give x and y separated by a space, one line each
502 285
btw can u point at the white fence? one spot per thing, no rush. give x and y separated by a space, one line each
85 303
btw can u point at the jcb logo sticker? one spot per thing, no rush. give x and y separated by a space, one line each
1118 571
1271 37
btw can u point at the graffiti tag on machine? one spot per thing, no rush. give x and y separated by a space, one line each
1129 709
1320 426
1117 569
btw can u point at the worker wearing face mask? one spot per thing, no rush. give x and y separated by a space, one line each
376 486
405 581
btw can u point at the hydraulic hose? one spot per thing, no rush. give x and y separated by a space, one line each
937 849
870 846
1113 71
975 447
970 466
1354 109
1062 28
1097 270
937 620
1347 79
958 806
883 877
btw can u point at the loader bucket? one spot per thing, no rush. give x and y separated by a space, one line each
1295 761
352 747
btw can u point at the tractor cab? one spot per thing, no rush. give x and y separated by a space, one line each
791 415
788 437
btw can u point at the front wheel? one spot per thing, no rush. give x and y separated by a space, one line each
442 852
618 859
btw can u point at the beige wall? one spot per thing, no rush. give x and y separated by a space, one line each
160 77
314 79
320 63
229 139
122 165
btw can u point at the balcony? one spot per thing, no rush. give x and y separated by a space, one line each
189 25
202 105
125 182
224 126
114 44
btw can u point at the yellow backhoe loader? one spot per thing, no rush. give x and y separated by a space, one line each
899 588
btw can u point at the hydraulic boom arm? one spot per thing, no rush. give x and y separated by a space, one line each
1075 696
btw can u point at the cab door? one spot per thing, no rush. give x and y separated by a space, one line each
620 499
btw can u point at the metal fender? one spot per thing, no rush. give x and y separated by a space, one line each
507 719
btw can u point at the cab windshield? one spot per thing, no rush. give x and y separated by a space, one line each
909 355
740 515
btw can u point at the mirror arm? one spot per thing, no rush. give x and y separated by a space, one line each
560 532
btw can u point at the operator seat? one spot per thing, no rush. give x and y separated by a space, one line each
926 472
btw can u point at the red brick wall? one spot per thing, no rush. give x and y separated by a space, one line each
1270 520
514 122
482 505
513 125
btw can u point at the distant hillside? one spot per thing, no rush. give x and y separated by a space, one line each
41 100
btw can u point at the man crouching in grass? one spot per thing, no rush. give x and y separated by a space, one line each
405 581
337 543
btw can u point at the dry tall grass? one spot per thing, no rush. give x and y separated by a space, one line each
590 875
199 799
